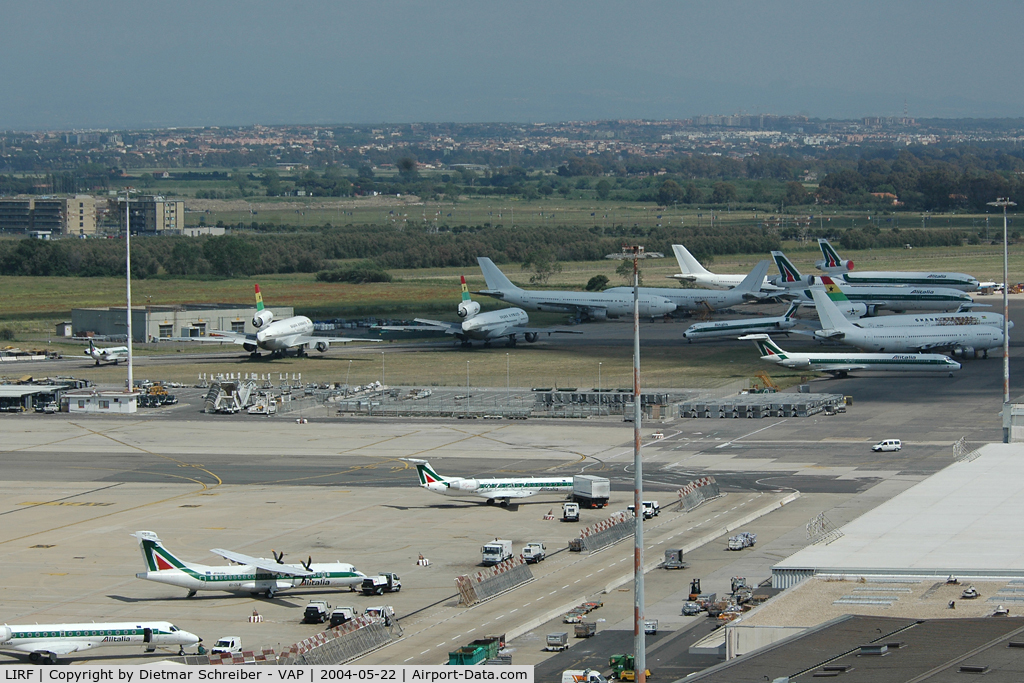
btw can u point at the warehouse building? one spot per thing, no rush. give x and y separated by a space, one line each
54 215
155 214
154 323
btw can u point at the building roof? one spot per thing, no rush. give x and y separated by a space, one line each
22 390
933 650
961 521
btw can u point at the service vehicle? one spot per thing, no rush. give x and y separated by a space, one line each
651 509
570 512
386 613
585 629
582 676
674 559
385 582
623 666
590 491
534 552
691 609
651 627
888 445
743 539
227 645
556 642
317 612
496 551
339 615
477 652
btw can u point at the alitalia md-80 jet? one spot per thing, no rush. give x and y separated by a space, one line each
251 575
276 336
491 490
833 265
839 364
51 640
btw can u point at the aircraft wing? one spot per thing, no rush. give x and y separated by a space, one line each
538 330
57 647
505 493
312 339
261 563
840 367
221 336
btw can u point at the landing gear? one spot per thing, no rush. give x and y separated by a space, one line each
34 656
490 501
511 341
191 594
466 344
181 652
504 502
270 593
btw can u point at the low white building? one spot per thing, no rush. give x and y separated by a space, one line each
99 401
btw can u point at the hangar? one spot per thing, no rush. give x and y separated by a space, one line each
154 323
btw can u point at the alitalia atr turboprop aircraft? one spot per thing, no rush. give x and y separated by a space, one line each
839 364
276 336
833 265
51 640
492 490
251 575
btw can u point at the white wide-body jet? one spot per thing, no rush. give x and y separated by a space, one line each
506 323
839 364
491 490
594 305
691 270
735 328
111 354
965 339
276 336
51 640
250 575
747 291
833 265
875 298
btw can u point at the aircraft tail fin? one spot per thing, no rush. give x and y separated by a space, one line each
832 259
259 299
832 289
828 313
154 555
787 270
688 264
495 278
426 472
465 289
755 279
766 346
793 307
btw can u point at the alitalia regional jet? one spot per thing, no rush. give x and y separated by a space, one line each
50 640
252 575
492 490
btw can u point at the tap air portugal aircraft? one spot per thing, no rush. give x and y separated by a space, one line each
690 270
833 265
492 490
276 336
875 298
963 336
50 640
252 575
839 364
747 291
111 354
485 327
594 305
734 328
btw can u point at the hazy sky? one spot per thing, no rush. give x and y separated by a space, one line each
140 63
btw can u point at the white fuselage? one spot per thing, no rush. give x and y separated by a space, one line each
916 338
67 638
691 299
112 354
960 281
720 281
612 303
734 328
902 298
516 487
493 324
281 334
929 319
891 362
249 579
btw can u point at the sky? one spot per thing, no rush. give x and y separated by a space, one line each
120 64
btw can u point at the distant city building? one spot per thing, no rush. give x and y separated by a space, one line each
196 231
153 213
54 215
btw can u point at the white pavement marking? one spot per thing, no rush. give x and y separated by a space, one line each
408 659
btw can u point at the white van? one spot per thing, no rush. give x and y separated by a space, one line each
888 445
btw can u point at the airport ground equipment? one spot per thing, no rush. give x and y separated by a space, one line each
477 652
674 560
316 612
694 589
496 551
534 552
585 629
737 583
341 615
691 609
582 676
229 397
557 642
382 583
492 581
651 509
623 666
743 539
697 492
590 491
227 645
781 404
651 627
570 512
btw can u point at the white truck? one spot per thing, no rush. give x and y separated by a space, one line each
385 613
582 676
590 491
743 539
385 582
227 645
534 552
316 612
496 551
651 509
570 512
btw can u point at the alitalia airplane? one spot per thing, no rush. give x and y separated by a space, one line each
491 490
276 336
833 265
111 354
875 298
51 640
839 364
733 328
251 575
691 270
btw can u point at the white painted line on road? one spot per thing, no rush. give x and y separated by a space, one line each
565 586
552 592
501 617
586 577
601 569
576 581
470 631
422 653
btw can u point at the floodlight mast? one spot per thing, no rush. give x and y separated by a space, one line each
1005 202
128 284
639 639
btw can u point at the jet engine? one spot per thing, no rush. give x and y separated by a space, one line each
249 347
322 346
846 265
805 281
964 351
467 309
5 633
597 313
530 337
262 318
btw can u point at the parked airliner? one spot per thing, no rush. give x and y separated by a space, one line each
833 265
734 328
491 490
51 640
691 270
747 291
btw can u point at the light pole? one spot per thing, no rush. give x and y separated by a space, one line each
508 386
382 382
600 399
347 375
467 389
128 284
1005 202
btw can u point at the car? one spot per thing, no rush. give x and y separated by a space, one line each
888 445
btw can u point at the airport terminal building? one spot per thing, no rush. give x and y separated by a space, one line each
153 323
